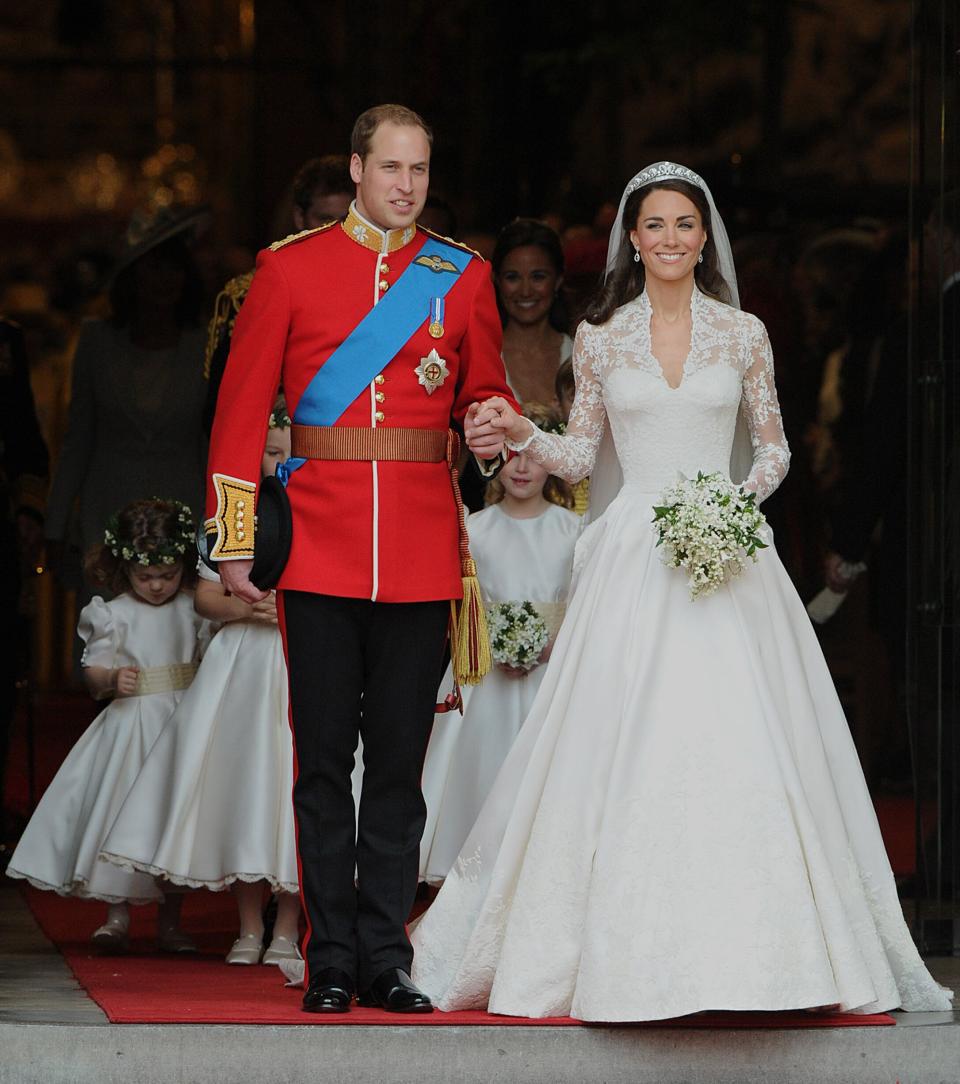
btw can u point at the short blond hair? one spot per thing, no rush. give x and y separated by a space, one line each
370 120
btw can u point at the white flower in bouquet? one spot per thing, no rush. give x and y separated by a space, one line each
518 634
708 526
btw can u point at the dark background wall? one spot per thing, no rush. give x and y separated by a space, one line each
783 103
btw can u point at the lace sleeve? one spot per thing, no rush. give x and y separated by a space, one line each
761 408
571 456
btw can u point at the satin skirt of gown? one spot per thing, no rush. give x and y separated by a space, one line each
213 804
463 758
682 823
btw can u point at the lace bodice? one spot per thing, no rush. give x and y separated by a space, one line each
659 430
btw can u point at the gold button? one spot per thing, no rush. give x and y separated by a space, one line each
240 506
384 269
379 378
240 536
379 415
380 397
384 286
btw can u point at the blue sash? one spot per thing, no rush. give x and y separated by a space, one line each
377 339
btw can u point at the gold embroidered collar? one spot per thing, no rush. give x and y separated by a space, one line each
363 231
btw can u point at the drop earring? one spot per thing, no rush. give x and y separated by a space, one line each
700 258
636 256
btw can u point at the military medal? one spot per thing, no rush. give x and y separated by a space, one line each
432 371
436 317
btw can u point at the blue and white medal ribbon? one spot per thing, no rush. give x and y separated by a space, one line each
436 317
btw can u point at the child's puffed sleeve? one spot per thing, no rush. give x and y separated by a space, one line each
96 629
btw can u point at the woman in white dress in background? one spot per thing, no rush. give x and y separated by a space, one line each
682 823
523 545
527 264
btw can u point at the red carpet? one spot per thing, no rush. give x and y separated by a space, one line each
146 987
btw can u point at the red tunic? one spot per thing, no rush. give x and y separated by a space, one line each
386 531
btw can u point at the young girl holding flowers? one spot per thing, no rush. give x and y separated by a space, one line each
523 545
142 650
212 806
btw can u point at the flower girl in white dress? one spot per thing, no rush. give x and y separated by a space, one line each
682 823
523 546
142 650
212 807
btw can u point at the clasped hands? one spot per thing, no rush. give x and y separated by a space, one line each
488 424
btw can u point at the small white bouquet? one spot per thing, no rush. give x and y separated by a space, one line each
517 634
708 526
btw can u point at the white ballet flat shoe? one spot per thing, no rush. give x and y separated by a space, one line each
175 941
111 937
246 950
281 948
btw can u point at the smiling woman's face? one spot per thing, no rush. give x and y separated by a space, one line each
669 235
527 283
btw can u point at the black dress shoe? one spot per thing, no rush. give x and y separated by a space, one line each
394 991
330 990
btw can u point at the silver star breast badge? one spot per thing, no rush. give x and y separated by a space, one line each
432 371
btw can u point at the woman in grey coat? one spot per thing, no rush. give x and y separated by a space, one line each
134 428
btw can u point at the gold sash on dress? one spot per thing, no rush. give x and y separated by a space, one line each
552 614
165 679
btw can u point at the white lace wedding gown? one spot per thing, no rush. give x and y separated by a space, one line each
682 823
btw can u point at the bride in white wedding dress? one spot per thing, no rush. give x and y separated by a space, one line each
682 823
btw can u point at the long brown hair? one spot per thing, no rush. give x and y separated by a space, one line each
555 489
628 277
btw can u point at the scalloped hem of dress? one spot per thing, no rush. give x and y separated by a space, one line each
220 885
78 890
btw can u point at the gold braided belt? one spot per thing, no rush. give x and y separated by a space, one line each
165 679
345 443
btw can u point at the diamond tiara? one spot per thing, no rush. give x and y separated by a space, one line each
661 171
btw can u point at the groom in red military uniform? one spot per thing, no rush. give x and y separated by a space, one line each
380 334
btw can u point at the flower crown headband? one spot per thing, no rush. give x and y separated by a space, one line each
165 551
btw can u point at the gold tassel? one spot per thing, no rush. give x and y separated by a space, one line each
470 640
225 310
219 320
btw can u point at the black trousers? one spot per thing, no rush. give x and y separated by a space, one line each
360 669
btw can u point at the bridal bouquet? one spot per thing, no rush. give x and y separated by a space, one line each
708 526
517 634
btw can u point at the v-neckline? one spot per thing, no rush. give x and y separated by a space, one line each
648 308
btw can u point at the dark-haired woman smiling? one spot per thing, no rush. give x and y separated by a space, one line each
528 273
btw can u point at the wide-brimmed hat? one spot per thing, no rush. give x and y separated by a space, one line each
149 228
